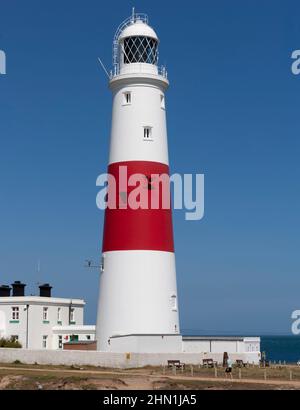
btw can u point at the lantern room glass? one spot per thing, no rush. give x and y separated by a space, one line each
140 49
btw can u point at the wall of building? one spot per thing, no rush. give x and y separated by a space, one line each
81 346
83 333
214 345
147 343
194 346
36 325
113 360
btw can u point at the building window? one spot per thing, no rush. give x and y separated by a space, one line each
72 315
162 102
147 133
88 337
60 342
15 313
74 338
45 339
59 314
127 98
45 314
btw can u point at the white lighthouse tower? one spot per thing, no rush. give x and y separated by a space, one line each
138 290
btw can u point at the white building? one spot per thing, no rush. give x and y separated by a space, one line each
42 322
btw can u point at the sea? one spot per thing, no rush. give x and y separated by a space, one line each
281 348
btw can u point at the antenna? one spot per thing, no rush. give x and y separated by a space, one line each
104 68
91 264
38 271
133 14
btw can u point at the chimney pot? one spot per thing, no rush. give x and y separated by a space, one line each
18 288
45 290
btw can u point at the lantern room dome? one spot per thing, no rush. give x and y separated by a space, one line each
138 28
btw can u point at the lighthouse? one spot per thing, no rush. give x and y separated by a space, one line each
138 289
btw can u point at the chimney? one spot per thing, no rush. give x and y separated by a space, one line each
45 290
5 291
18 288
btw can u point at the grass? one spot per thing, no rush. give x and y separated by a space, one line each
69 377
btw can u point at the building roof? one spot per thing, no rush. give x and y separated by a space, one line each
38 300
220 338
138 28
74 328
146 334
195 338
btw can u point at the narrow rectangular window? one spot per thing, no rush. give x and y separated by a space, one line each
72 315
162 101
127 98
45 338
102 263
147 133
174 303
45 313
15 313
58 314
60 342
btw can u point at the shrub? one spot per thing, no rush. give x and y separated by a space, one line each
11 342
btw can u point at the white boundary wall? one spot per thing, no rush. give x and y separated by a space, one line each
113 360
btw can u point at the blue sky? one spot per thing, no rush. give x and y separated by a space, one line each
233 114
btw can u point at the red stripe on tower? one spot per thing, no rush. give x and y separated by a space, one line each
138 229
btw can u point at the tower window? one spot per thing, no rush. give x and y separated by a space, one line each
162 101
174 303
127 98
148 133
102 264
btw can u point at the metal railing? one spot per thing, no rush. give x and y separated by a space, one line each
130 20
137 68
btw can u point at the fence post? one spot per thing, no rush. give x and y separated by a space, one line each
240 374
291 375
265 374
174 370
216 372
192 371
164 369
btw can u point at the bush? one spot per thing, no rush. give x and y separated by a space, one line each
11 342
